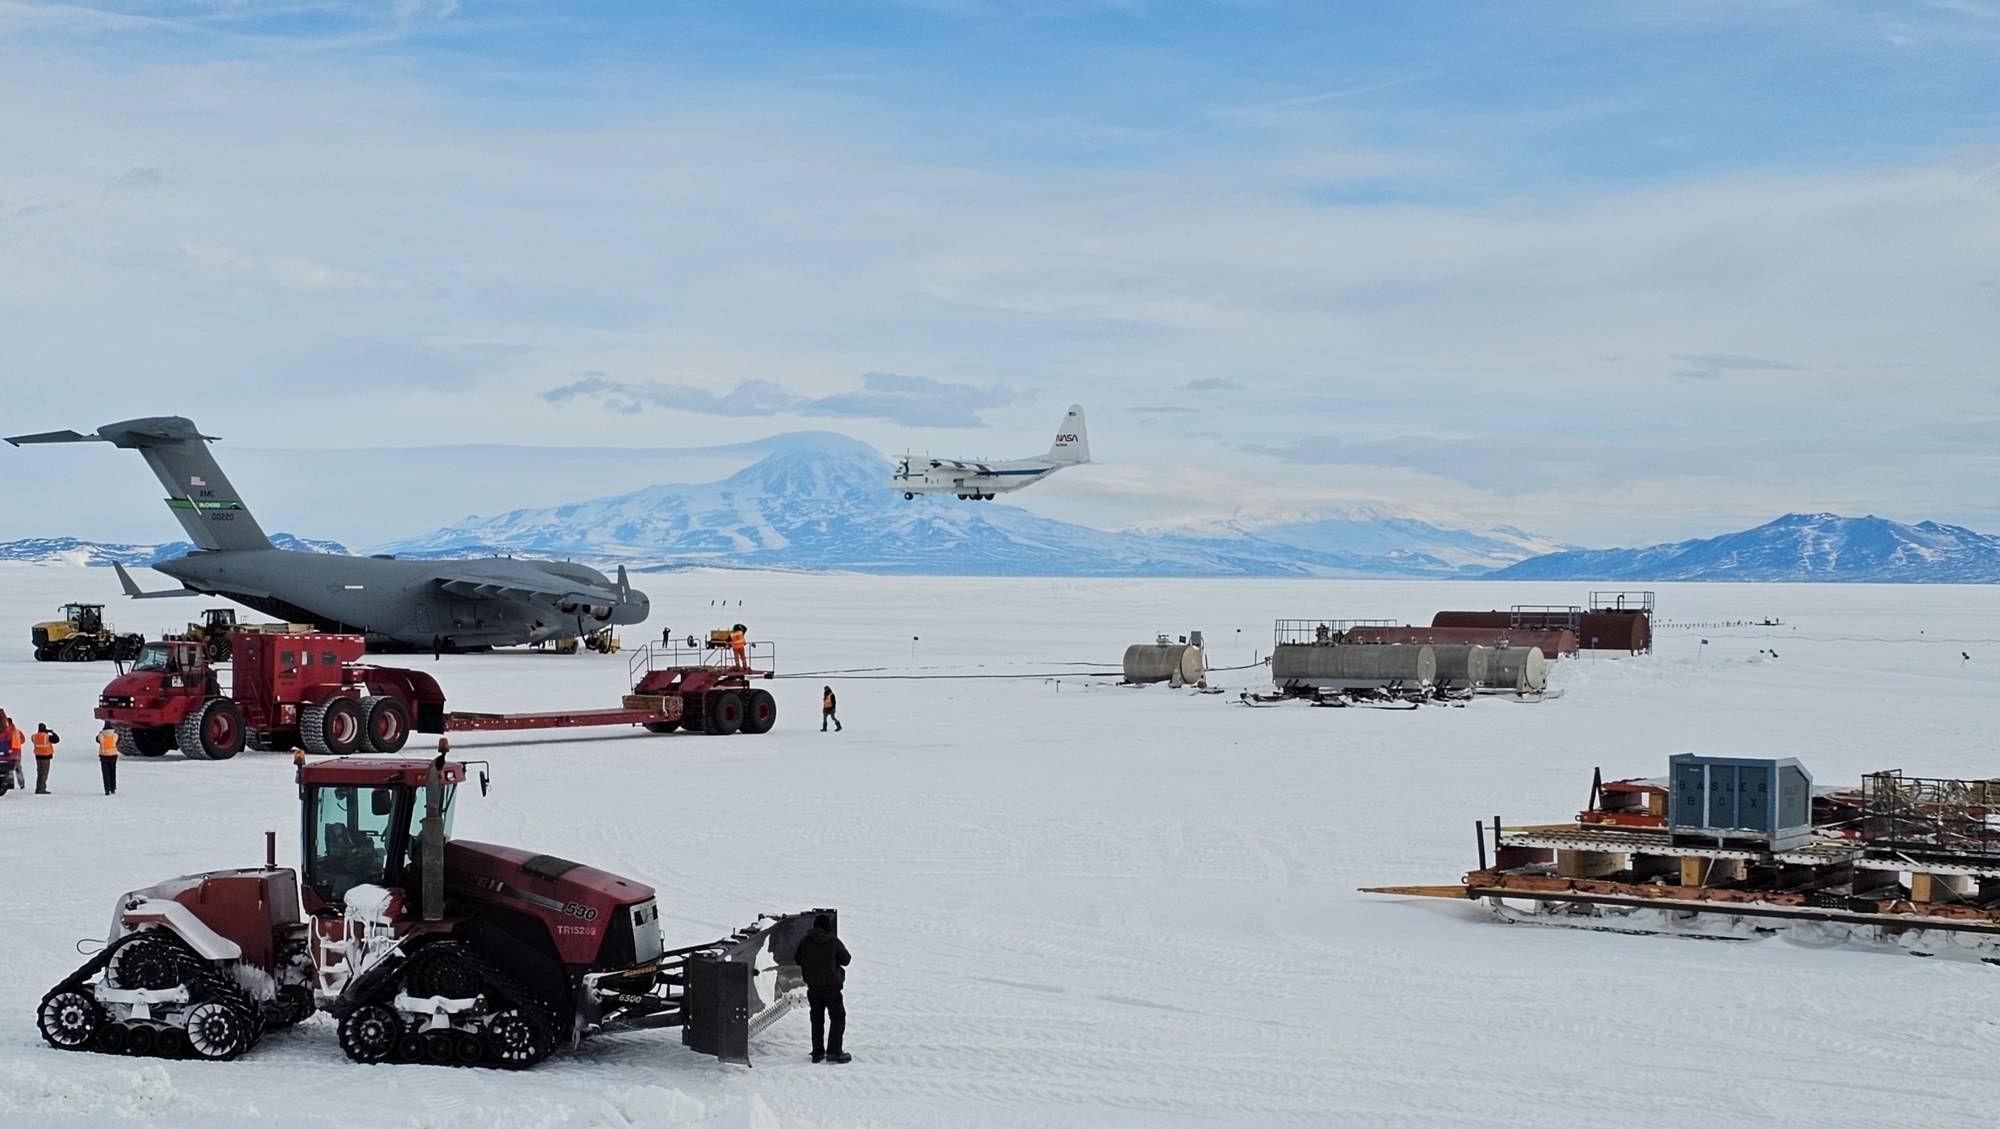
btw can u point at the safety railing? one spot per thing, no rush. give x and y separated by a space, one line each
1320 631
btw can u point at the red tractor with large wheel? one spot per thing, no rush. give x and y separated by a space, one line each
425 948
313 691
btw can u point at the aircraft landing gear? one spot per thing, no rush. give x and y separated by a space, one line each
907 496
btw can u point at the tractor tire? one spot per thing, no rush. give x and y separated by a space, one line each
662 726
333 728
45 654
154 740
78 650
692 719
386 721
723 713
760 711
212 733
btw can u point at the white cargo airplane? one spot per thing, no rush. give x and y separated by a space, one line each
980 481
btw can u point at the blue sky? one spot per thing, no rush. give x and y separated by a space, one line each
1612 273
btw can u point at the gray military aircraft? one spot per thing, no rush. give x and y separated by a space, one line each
397 604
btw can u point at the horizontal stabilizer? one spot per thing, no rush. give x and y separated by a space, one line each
64 436
133 590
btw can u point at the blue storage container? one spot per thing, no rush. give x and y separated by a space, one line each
1756 800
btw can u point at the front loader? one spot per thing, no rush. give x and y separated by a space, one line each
423 948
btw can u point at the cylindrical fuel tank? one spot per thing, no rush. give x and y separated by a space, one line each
1616 631
1162 662
1520 669
1349 666
1461 665
1471 619
1554 644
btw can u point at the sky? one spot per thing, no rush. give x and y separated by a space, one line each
1612 273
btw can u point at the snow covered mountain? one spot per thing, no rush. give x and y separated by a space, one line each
103 554
823 502
1381 534
1822 547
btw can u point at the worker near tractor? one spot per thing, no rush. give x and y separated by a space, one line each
827 705
822 962
739 641
11 741
107 758
45 740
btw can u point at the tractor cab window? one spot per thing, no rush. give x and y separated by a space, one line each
155 657
353 835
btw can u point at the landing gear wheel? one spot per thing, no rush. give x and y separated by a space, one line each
663 726
69 1019
760 711
333 728
216 1030
370 1034
724 713
907 496
212 733
518 1040
387 722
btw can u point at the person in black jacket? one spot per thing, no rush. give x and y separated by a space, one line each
823 963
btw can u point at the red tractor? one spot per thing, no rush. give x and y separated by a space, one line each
315 692
423 947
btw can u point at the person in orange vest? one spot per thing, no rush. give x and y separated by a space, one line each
45 740
827 704
739 641
11 740
107 758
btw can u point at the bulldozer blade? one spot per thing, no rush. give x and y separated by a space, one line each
732 992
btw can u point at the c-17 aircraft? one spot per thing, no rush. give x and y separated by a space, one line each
973 480
398 605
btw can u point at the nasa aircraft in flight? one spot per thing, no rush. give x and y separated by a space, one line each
972 480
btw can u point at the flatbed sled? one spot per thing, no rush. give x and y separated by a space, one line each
1899 863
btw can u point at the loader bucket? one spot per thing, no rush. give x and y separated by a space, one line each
738 986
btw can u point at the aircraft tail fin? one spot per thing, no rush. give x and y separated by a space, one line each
200 495
1072 445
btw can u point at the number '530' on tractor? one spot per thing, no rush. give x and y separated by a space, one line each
424 948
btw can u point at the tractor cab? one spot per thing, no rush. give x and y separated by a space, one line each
218 620
363 825
85 619
172 656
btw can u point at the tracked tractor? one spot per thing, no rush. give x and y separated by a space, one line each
423 948
82 636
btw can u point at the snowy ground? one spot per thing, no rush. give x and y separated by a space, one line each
1075 904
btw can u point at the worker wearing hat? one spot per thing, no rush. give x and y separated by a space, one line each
107 758
45 740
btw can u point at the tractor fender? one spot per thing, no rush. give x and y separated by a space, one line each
182 922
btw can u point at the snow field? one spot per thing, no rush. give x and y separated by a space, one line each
1082 904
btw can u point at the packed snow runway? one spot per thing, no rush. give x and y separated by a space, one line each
1072 903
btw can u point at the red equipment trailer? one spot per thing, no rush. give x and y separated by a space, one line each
314 691
423 947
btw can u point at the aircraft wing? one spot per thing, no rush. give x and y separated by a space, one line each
473 582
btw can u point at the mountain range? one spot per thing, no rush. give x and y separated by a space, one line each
818 501
825 502
1797 547
104 554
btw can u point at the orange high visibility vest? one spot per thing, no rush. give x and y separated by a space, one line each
43 746
107 743
15 739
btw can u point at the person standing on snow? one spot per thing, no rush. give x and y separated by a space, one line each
46 741
11 741
827 704
823 961
107 758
